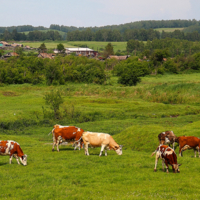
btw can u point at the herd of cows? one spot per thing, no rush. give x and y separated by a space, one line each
79 138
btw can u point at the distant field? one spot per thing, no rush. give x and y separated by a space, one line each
168 29
91 44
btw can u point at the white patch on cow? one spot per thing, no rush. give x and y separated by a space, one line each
168 152
167 140
163 132
74 133
79 129
186 147
60 126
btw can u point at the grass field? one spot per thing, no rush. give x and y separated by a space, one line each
168 29
90 44
133 115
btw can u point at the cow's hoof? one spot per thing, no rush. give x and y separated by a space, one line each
52 149
155 170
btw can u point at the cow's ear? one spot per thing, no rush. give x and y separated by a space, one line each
179 164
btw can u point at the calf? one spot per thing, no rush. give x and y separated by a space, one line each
168 157
103 140
12 148
188 142
167 137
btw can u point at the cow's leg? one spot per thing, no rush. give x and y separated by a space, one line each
156 162
57 143
10 160
195 153
173 145
86 149
16 157
77 144
180 151
105 152
102 148
163 165
199 151
167 167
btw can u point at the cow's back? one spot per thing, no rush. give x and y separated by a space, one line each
66 133
189 140
96 139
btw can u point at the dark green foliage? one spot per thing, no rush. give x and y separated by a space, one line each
54 72
42 48
61 48
108 50
54 99
130 71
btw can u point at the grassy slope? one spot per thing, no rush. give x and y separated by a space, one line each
134 122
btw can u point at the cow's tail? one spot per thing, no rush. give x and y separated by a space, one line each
78 140
153 153
51 132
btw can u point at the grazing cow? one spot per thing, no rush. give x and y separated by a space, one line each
168 156
103 140
167 137
188 142
67 133
12 148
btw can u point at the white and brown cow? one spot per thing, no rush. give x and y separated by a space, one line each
167 137
66 133
188 142
12 148
168 156
103 140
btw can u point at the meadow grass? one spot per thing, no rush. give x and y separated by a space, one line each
168 29
95 45
128 113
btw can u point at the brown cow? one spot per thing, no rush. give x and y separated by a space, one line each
103 140
168 156
167 137
67 133
188 142
12 148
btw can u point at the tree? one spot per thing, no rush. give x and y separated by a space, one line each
61 48
108 50
54 99
42 48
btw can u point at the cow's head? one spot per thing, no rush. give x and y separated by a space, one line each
23 159
176 168
119 149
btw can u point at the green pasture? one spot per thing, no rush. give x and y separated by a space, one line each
90 44
168 29
133 115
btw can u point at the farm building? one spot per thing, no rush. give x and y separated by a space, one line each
4 43
45 55
81 51
8 55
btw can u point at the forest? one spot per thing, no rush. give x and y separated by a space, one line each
141 30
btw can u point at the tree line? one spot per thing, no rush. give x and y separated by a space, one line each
31 36
122 27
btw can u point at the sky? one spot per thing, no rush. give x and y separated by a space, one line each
90 13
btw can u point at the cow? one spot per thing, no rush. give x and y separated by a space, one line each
168 156
188 142
167 137
103 140
67 133
12 148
